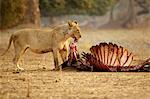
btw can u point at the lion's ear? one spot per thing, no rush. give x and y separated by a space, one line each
75 22
70 23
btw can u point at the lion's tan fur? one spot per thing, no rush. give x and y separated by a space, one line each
43 41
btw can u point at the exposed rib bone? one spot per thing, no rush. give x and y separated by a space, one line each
130 58
106 54
102 52
111 50
124 57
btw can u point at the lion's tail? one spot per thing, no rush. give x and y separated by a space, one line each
10 40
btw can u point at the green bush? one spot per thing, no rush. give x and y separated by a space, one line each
66 7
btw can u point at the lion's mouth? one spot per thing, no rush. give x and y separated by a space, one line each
75 39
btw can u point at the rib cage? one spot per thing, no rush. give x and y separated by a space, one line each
110 57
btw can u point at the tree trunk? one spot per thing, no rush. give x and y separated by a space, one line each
111 19
32 13
132 17
21 13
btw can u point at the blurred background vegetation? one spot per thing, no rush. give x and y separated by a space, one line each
126 13
65 7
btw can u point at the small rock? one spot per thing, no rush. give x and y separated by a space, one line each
15 72
57 80
44 67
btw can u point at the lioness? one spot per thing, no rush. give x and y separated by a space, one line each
43 41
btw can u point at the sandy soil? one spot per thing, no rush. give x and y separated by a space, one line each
38 82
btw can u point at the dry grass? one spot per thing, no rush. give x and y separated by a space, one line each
38 83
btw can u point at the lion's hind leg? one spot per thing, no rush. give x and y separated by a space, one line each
19 51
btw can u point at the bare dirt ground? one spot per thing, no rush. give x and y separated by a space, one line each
38 82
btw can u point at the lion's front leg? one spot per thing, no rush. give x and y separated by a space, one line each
64 54
55 56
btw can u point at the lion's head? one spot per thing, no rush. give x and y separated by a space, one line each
74 29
